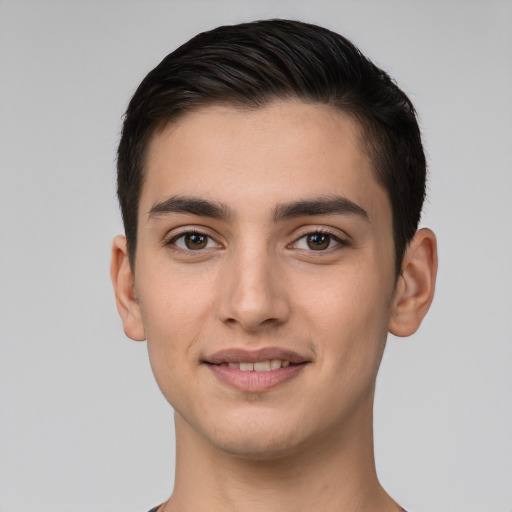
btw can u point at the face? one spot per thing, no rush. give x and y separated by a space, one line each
264 275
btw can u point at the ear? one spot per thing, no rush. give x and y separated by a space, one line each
415 286
124 290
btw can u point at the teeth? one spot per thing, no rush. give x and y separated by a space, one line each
275 364
260 366
263 366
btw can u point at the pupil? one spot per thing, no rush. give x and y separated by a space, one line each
195 241
318 241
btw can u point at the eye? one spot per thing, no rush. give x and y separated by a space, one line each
318 241
193 241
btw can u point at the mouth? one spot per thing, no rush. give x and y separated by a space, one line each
256 371
262 356
259 366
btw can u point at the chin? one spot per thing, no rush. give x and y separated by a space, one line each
264 448
245 435
261 438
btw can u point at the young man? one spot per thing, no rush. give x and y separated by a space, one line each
271 180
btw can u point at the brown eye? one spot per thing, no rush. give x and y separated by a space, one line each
195 241
318 241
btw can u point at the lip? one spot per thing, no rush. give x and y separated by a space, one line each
255 381
236 355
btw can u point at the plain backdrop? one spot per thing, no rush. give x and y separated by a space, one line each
83 426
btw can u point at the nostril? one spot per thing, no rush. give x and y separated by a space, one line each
252 299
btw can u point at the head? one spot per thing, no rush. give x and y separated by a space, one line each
251 65
271 181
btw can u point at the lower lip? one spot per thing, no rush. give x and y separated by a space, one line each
253 381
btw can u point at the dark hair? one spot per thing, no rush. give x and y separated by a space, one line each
252 64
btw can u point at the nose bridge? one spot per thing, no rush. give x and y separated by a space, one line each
253 295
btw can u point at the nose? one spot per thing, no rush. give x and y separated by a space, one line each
253 292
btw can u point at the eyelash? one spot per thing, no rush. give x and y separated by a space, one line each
334 237
190 231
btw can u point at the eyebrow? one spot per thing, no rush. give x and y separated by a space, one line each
330 205
191 205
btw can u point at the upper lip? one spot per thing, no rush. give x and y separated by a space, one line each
237 355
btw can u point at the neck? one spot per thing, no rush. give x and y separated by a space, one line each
334 473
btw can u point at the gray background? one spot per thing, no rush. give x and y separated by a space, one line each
83 426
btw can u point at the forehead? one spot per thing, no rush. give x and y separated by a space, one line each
282 152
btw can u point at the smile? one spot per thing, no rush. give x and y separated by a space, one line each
259 366
256 371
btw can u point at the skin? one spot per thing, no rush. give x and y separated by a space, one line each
305 444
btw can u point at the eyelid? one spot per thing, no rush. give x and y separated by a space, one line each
341 240
334 232
170 240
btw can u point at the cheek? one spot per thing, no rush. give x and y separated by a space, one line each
171 333
350 315
174 312
352 297
174 299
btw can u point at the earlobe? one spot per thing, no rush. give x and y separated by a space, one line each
416 283
124 290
